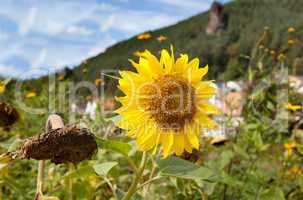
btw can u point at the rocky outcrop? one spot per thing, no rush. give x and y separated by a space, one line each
217 21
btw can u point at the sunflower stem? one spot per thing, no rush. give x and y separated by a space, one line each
70 181
133 187
40 179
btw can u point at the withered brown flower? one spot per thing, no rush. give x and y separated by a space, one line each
63 145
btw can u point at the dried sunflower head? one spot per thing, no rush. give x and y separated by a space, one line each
63 145
8 115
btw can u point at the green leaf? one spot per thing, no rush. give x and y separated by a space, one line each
209 187
120 147
229 180
272 193
15 145
13 185
258 140
300 148
81 172
103 168
225 158
6 81
239 150
177 167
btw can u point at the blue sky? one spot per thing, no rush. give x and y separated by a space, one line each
51 34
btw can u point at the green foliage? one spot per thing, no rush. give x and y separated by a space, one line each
253 164
117 146
177 167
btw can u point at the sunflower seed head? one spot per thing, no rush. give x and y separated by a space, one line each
8 115
62 145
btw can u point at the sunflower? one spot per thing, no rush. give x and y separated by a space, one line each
289 147
30 95
144 36
292 107
98 82
161 38
2 88
138 53
291 29
61 77
166 103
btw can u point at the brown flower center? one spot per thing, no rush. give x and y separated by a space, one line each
169 100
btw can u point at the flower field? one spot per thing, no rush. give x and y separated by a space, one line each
164 127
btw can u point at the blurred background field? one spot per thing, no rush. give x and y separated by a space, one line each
255 56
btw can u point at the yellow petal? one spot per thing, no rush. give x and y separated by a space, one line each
142 68
132 119
167 141
147 140
202 120
204 90
196 74
154 63
208 108
166 61
157 143
192 134
179 143
181 65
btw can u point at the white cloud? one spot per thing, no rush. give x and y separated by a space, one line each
77 30
107 24
9 70
133 22
49 17
40 59
29 21
196 5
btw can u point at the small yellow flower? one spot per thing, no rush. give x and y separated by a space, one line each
98 82
295 170
2 88
272 52
84 71
291 29
144 36
166 103
281 56
290 42
138 53
61 78
161 38
294 108
289 147
30 95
